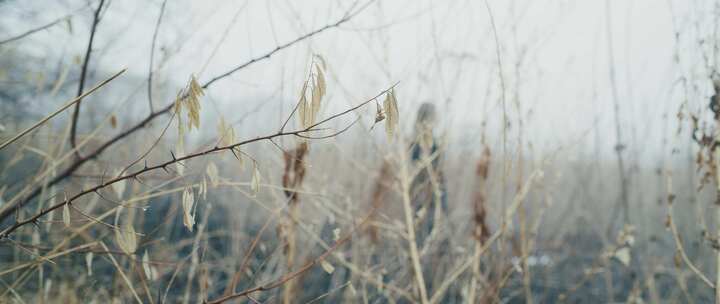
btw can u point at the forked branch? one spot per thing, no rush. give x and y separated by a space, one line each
176 159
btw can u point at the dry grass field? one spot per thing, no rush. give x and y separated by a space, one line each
176 151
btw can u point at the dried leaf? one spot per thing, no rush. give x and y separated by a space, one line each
352 289
304 114
226 133
321 81
153 273
180 151
379 114
188 200
316 96
323 63
126 239
391 113
146 266
113 121
336 234
327 266
193 103
212 173
119 186
88 262
66 215
203 189
255 182
189 99
623 255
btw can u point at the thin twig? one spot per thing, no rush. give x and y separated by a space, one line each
174 160
63 108
284 279
9 209
152 56
35 30
83 75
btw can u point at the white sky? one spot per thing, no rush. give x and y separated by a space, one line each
554 58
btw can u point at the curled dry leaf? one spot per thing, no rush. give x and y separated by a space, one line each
189 99
379 114
308 111
391 113
188 200
193 103
213 175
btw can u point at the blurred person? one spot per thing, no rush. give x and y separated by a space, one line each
428 188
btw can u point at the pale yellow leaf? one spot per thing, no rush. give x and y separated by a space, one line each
212 173
321 82
238 154
352 289
316 100
66 215
119 186
255 182
126 239
180 151
226 133
304 113
336 234
188 200
327 266
88 262
323 63
391 113
146 266
623 255
193 103
203 189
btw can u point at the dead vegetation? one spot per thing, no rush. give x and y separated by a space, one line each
104 205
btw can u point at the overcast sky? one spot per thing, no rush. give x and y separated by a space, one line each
554 55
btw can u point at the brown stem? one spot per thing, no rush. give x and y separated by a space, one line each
284 279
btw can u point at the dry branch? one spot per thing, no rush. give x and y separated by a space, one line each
5 233
61 109
11 208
